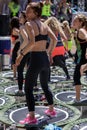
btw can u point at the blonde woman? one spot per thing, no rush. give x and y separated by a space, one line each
59 51
68 34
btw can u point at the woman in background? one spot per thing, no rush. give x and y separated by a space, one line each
80 24
58 53
15 41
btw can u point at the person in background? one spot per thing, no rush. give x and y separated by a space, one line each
14 24
64 11
80 24
67 31
24 40
14 8
58 53
38 33
46 10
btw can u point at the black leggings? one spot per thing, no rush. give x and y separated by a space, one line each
77 75
20 70
60 61
39 64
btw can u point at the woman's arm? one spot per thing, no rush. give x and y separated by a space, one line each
29 46
31 35
25 38
53 41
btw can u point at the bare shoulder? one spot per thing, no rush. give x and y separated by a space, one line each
28 25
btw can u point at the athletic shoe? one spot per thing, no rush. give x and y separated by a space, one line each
28 120
51 113
75 101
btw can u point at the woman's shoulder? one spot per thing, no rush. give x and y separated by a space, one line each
28 25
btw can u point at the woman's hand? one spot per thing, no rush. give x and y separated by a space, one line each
18 59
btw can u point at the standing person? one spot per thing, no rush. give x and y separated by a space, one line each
59 51
46 10
23 42
67 31
64 11
39 63
80 24
14 8
15 41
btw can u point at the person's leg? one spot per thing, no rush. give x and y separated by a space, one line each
31 77
44 84
48 94
77 82
20 70
60 61
30 81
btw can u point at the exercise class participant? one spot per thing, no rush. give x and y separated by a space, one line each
39 62
15 41
59 51
80 24
24 40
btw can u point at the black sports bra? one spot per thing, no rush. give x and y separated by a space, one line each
40 36
80 40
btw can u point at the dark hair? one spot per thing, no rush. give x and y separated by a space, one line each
14 22
23 13
85 23
37 7
15 1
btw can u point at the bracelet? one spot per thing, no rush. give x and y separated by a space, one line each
21 53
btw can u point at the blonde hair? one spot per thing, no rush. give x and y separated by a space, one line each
66 23
53 23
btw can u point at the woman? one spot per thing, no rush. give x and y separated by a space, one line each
38 33
23 42
15 41
80 24
67 31
59 51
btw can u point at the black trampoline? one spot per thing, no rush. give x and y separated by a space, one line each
68 96
18 112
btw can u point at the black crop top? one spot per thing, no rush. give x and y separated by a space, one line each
40 37
80 40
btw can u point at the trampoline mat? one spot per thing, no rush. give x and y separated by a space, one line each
19 111
68 96
19 114
12 89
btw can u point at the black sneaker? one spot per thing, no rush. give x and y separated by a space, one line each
19 93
